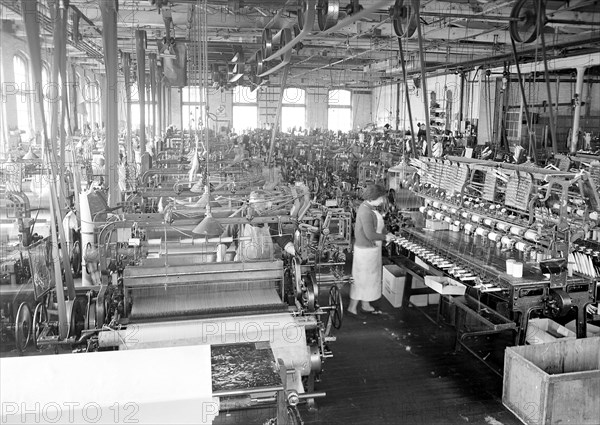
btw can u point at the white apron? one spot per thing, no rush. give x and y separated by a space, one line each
366 269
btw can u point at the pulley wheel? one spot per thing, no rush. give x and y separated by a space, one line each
22 327
328 13
260 64
404 19
562 302
76 259
267 43
524 26
309 295
40 320
337 307
302 12
284 38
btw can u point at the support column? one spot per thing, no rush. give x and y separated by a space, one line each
577 111
127 74
417 6
140 50
111 104
152 57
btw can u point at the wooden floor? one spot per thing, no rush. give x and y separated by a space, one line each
401 368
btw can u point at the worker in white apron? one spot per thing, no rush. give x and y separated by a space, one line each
366 264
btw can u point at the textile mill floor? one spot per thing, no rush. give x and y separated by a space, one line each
401 368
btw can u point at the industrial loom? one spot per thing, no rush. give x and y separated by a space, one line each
479 214
267 330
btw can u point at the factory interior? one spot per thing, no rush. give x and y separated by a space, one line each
183 190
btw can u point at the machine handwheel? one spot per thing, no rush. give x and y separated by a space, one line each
524 26
23 327
40 319
309 297
337 307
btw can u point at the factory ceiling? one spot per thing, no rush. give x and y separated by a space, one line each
354 38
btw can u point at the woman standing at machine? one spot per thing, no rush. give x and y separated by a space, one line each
366 264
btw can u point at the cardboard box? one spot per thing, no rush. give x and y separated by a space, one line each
394 278
554 383
445 286
542 331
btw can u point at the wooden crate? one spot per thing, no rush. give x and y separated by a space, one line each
554 383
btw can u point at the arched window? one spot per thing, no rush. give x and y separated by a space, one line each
245 109
23 94
293 110
339 111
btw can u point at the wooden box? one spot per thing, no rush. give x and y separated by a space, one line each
553 383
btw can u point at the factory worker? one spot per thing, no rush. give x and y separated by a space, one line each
366 264
255 241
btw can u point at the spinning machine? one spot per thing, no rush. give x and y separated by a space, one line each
479 214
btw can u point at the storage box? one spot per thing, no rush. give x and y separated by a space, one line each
542 331
419 300
393 284
554 383
445 286
591 330
433 299
436 225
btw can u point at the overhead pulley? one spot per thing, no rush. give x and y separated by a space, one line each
404 18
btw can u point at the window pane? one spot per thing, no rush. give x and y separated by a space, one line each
243 94
294 96
339 119
192 117
21 74
244 117
191 94
292 116
339 98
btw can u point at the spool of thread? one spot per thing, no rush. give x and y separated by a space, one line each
502 226
520 246
436 204
510 263
453 210
465 215
532 235
493 236
468 228
481 231
517 269
448 219
439 216
430 213
457 223
516 231
488 222
594 215
506 241
476 218
444 207
422 209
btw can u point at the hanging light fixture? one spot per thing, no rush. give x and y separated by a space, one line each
30 156
209 226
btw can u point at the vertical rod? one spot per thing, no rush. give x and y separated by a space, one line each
417 6
577 111
275 128
407 95
111 146
127 74
140 38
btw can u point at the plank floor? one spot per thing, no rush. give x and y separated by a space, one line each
401 368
